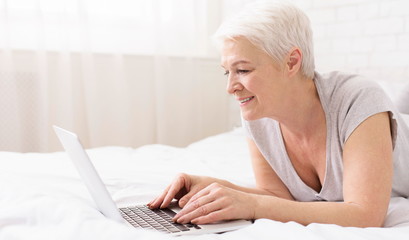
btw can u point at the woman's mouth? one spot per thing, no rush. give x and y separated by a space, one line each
245 100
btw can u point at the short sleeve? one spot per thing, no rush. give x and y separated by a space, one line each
363 99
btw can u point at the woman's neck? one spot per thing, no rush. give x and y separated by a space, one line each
304 116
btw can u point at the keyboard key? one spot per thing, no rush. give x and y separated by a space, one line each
159 219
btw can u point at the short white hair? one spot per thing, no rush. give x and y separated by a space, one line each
275 27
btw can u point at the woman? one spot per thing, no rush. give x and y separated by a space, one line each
325 148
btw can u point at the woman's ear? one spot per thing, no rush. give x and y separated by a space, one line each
294 61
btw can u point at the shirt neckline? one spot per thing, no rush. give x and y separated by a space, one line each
327 146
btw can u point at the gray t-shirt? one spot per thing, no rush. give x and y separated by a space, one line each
347 101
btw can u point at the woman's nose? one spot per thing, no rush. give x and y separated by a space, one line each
232 85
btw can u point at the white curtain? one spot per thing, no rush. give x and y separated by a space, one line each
117 72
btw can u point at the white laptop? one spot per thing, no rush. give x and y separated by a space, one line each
139 216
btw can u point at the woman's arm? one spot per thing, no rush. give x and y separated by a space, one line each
367 183
367 188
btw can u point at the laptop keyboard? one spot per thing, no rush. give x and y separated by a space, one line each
159 219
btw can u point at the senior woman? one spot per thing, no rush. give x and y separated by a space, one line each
325 148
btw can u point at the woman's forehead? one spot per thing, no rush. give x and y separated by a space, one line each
243 51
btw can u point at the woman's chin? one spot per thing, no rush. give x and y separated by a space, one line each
249 116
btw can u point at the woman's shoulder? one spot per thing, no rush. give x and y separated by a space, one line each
339 89
351 99
337 81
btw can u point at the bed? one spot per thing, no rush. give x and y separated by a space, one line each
42 196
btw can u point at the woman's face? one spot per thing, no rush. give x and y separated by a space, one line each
254 78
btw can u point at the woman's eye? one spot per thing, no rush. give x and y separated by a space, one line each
238 71
242 71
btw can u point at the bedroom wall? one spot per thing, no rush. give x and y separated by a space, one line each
369 37
116 72
125 102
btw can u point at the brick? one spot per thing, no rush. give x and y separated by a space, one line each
348 13
303 4
345 29
357 60
385 43
322 16
362 44
392 59
403 42
384 26
372 73
407 25
322 46
385 7
368 11
394 8
330 62
320 30
341 45
326 3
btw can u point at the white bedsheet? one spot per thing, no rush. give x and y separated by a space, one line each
42 197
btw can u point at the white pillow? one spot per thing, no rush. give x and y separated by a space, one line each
392 89
405 118
402 102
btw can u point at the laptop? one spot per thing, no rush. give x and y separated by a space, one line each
138 215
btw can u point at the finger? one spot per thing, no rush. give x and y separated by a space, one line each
197 200
191 205
205 191
212 217
155 203
150 203
199 208
158 201
185 199
170 192
173 190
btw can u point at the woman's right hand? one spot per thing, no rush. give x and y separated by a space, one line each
182 188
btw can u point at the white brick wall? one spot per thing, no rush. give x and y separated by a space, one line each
370 37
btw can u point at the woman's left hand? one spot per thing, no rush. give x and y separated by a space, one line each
215 203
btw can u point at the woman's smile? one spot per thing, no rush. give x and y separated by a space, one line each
245 101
